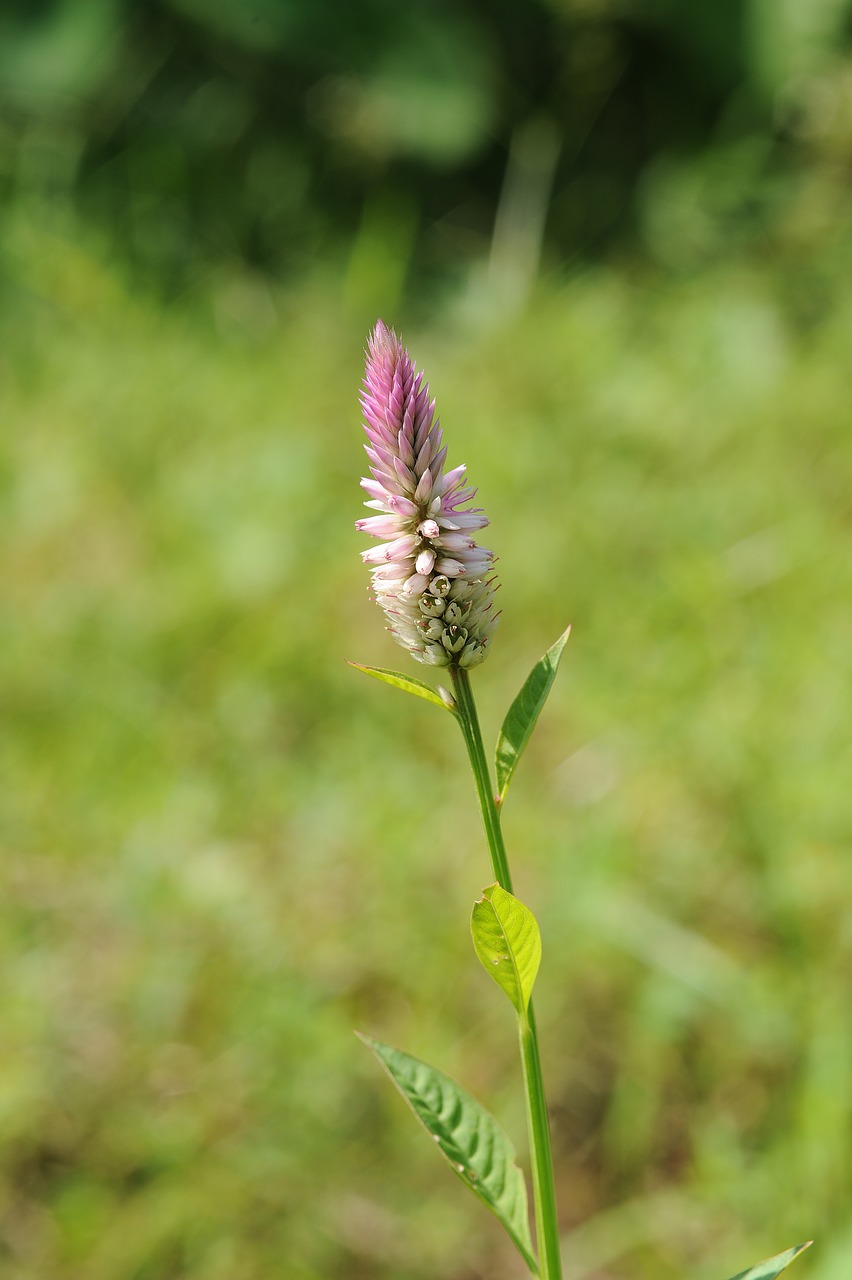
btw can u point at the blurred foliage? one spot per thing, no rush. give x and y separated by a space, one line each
617 234
271 132
224 849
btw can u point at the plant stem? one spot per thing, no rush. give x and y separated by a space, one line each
469 721
541 1157
544 1193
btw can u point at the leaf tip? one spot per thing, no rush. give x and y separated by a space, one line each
486 894
556 648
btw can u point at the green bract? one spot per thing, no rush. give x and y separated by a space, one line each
407 683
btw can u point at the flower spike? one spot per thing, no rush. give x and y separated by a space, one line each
429 576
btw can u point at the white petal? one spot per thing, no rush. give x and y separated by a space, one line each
416 585
424 562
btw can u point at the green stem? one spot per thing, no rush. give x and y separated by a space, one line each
469 721
544 1193
541 1156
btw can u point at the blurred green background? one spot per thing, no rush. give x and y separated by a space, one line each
617 235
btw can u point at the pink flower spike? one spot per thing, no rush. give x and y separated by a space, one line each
439 606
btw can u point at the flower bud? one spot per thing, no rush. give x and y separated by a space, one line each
432 606
453 639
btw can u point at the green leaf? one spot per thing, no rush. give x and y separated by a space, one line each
772 1267
508 943
468 1135
524 712
407 683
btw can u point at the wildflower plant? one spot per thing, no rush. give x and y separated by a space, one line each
435 585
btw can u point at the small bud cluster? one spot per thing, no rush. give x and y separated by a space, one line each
429 576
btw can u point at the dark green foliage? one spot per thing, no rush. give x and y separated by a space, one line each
282 132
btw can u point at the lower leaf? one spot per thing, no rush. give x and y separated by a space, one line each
468 1136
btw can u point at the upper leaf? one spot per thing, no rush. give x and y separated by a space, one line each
524 712
408 683
468 1135
507 940
772 1267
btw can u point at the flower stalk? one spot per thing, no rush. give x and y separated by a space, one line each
538 1127
469 723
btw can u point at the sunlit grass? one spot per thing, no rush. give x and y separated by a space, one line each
224 849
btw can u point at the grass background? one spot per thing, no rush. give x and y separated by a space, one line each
224 850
